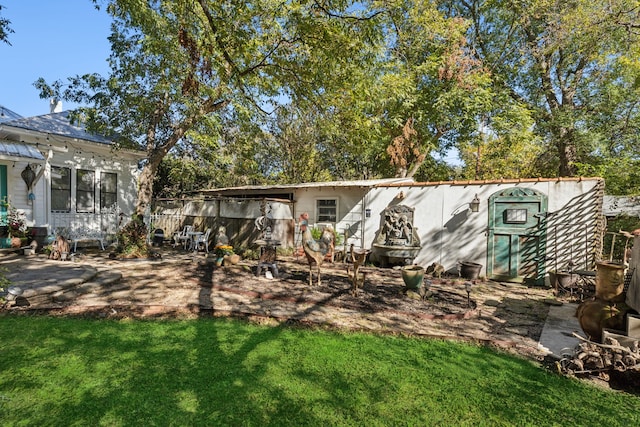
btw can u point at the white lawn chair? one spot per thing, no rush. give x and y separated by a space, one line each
203 240
182 237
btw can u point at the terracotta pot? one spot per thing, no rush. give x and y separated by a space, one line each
609 281
16 242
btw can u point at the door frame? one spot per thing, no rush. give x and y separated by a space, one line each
538 231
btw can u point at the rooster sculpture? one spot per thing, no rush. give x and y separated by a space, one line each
315 250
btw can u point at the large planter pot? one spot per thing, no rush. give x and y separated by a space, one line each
5 242
470 270
413 275
561 280
609 281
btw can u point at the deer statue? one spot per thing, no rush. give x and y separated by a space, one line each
358 257
315 250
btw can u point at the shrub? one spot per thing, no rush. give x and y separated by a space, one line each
132 239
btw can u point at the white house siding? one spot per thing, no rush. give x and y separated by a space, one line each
17 190
38 211
98 162
349 213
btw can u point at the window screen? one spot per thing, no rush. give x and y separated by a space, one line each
85 191
108 189
60 189
327 210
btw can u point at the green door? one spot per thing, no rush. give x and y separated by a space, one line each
517 236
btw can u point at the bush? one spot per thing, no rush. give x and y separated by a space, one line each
132 239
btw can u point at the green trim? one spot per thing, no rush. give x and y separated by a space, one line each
516 249
3 194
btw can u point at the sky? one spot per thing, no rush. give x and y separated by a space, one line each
53 40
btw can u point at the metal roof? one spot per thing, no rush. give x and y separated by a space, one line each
7 115
365 183
11 150
56 124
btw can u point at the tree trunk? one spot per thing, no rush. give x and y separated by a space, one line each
567 152
568 157
145 181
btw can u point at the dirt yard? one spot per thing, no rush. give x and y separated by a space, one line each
508 316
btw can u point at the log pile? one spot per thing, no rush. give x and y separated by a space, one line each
591 358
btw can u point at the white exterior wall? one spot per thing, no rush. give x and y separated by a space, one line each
448 238
448 232
38 211
350 209
17 189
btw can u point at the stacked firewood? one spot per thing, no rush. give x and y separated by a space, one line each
592 358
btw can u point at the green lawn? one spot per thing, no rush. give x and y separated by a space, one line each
211 372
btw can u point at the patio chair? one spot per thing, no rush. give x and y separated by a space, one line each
203 240
182 237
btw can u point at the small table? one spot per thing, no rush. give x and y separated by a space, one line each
193 238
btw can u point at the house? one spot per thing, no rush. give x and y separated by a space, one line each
517 230
62 178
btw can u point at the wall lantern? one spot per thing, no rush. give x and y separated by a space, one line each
367 213
475 204
28 175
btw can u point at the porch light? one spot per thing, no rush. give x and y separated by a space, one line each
28 175
475 204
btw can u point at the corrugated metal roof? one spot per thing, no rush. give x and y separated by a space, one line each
56 124
357 183
7 115
492 181
11 150
379 183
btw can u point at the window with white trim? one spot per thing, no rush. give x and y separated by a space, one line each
60 189
108 189
327 210
85 191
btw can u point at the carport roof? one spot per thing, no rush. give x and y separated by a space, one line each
365 183
14 151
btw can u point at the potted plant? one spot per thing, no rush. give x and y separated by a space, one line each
16 226
222 252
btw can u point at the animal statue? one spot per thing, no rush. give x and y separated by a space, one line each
315 251
358 258
59 246
436 270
